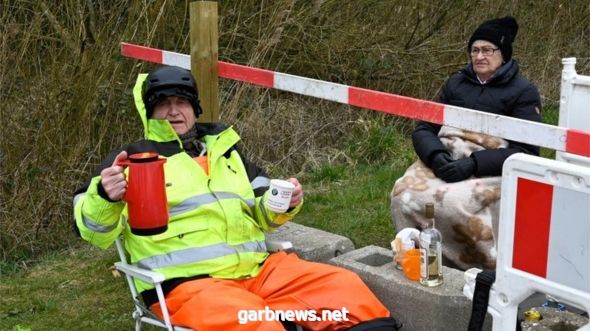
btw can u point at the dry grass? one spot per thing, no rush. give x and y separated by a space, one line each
65 90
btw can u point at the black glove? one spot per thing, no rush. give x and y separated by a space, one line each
440 160
457 171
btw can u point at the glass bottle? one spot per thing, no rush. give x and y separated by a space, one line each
430 252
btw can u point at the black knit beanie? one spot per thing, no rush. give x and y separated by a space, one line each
500 31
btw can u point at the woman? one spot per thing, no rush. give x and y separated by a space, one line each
450 158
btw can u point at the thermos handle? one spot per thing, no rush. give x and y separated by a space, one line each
123 163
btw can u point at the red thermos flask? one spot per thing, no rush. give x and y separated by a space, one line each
146 194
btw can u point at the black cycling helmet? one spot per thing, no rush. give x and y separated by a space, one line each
169 81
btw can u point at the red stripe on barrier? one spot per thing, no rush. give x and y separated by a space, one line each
396 104
142 53
246 74
577 142
531 227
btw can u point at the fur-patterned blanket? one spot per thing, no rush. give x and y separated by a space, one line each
466 213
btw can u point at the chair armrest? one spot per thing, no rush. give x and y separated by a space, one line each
275 246
145 275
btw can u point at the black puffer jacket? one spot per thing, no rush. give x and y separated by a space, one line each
507 94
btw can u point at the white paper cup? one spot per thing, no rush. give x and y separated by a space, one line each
279 196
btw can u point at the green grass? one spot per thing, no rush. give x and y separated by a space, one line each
73 289
68 290
351 201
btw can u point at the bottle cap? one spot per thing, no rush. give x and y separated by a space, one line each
553 303
532 315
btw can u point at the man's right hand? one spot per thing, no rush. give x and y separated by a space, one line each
440 160
113 178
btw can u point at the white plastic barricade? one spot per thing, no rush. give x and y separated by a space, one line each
544 237
574 107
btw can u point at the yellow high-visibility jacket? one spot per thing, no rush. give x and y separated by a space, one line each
216 221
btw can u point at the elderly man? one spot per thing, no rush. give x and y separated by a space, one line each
212 254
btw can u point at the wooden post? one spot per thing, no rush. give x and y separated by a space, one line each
204 52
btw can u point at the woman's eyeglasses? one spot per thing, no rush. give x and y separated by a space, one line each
486 51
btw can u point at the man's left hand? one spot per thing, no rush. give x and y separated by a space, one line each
297 195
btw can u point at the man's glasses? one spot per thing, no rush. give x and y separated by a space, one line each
486 51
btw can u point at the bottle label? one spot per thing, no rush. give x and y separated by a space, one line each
423 263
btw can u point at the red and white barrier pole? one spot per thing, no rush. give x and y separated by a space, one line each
539 134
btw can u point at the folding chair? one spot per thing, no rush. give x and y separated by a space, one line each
143 314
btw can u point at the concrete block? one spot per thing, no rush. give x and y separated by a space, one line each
555 320
312 244
420 308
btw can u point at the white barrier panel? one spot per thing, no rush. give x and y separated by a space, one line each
574 107
544 237
572 141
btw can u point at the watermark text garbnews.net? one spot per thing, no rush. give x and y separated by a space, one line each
267 314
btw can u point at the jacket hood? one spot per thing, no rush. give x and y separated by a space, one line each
157 130
162 130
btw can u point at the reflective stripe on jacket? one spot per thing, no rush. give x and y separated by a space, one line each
215 221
